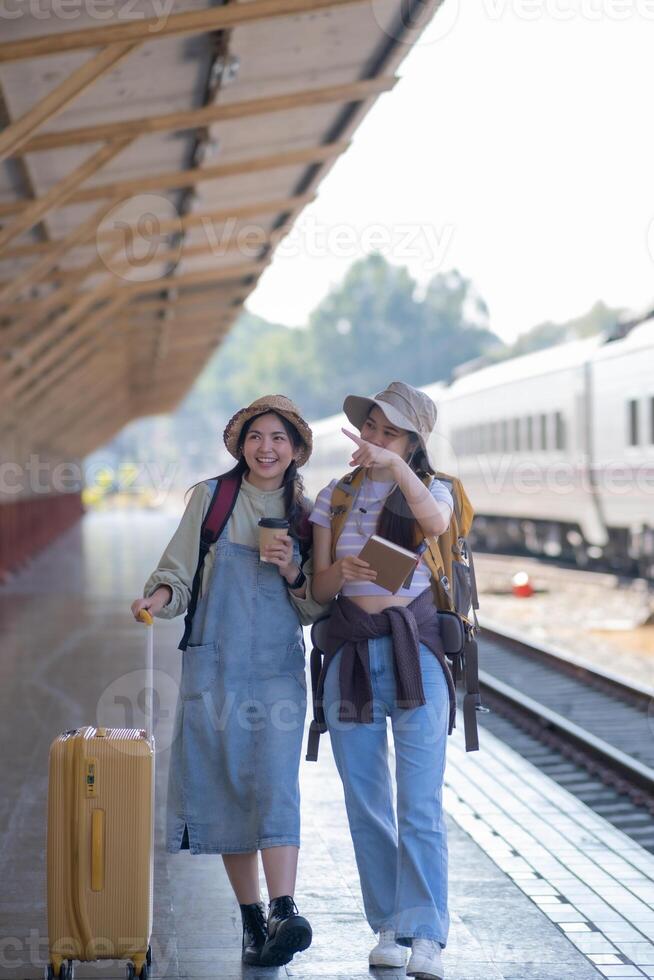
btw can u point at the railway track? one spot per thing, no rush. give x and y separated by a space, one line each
589 730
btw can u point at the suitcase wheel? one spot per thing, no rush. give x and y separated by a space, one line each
66 971
131 973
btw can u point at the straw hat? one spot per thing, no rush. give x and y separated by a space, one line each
270 403
404 406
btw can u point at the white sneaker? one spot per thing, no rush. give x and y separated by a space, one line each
387 952
425 962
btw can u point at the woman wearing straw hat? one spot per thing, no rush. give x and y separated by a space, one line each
233 785
384 658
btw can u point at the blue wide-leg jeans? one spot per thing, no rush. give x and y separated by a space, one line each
402 862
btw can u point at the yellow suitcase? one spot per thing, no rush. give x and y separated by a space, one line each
100 851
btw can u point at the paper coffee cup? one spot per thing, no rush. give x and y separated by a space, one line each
268 528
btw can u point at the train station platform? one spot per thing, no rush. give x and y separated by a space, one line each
541 888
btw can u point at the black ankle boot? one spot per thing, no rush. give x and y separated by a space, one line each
288 932
255 932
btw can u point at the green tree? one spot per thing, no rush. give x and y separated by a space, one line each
374 327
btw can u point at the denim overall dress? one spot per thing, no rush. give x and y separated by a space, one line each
233 779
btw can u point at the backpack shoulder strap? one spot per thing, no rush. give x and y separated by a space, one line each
342 499
305 540
463 509
220 510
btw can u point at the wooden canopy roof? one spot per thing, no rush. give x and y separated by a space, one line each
151 161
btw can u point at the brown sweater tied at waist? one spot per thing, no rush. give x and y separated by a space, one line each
351 627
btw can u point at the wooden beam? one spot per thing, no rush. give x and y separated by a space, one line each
200 341
181 306
16 135
176 179
55 340
32 347
120 265
205 219
17 333
37 272
25 251
64 190
156 28
23 389
78 429
210 114
38 309
172 224
178 321
182 325
23 184
199 277
47 412
60 377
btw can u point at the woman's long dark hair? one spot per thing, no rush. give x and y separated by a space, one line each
296 504
396 521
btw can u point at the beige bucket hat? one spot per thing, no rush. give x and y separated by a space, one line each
270 403
403 406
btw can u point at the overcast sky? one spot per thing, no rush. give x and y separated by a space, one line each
518 147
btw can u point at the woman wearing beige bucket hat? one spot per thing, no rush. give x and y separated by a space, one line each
384 659
233 783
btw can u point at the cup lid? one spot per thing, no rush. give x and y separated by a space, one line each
277 522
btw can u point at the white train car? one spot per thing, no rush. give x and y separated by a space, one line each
621 446
555 448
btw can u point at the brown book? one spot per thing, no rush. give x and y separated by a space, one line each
394 565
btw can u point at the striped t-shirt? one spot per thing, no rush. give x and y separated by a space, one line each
362 522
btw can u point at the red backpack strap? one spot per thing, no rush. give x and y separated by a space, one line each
220 510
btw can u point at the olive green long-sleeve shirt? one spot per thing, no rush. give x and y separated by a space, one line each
177 565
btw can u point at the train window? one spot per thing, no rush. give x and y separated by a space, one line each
516 435
559 430
543 432
632 407
530 432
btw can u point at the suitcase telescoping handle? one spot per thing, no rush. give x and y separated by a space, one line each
146 618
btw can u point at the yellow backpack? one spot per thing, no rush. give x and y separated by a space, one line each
449 560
